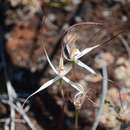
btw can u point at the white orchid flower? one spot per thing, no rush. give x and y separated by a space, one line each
74 35
74 54
71 51
60 72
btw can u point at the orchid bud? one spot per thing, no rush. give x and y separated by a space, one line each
79 99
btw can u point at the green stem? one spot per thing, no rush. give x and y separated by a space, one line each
63 106
76 110
76 118
61 90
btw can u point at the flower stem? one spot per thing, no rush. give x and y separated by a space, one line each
61 90
63 106
73 70
76 118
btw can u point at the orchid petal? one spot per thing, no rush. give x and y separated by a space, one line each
85 66
44 86
52 66
77 86
78 94
61 63
66 52
68 49
67 69
85 51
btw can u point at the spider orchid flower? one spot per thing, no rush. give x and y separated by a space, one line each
60 72
74 54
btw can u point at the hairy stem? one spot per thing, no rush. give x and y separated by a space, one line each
63 106
76 118
61 90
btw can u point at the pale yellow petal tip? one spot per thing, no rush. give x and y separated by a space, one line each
74 52
79 99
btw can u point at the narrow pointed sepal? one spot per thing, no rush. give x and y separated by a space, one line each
81 64
44 86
